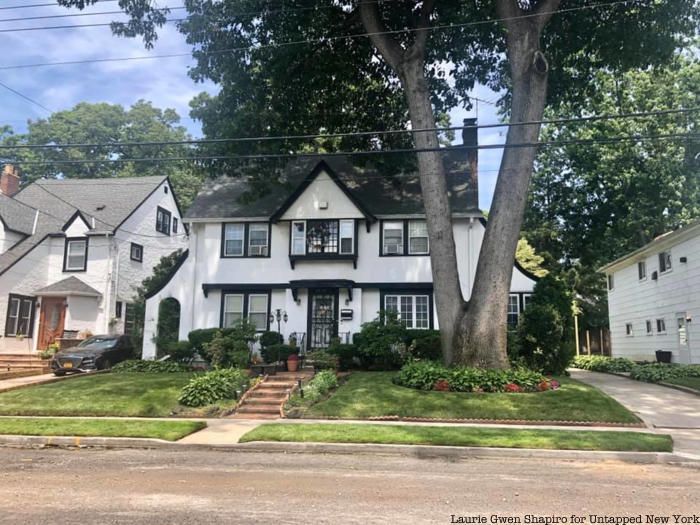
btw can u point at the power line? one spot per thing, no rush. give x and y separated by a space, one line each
72 15
25 97
293 42
302 154
348 134
50 4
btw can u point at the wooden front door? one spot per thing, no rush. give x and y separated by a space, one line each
51 320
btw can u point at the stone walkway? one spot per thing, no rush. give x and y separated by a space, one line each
666 409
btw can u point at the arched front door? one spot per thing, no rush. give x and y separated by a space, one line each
51 320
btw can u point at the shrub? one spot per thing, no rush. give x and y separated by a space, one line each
180 351
270 338
322 360
424 344
381 343
277 352
430 375
149 367
599 363
315 389
544 337
345 353
213 386
198 338
659 372
227 351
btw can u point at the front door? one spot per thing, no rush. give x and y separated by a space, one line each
323 317
51 320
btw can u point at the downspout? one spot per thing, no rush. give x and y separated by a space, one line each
108 281
194 234
116 273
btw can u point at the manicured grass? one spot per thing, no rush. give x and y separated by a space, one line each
462 437
168 430
690 382
371 394
129 394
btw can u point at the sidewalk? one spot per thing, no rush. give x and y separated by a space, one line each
19 382
671 411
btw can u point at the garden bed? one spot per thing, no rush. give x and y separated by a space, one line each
461 437
368 395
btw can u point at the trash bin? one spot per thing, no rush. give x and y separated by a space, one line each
663 356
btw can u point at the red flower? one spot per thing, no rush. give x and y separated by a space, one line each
512 387
554 384
441 385
544 385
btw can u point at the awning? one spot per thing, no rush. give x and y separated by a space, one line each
321 283
72 286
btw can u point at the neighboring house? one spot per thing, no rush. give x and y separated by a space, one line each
72 253
327 248
654 298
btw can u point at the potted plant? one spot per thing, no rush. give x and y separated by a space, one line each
293 362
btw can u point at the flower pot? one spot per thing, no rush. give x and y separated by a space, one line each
292 365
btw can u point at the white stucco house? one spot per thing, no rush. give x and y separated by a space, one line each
654 298
330 244
72 253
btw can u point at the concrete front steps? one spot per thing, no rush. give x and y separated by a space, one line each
265 402
25 364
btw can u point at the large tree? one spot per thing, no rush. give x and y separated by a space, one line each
589 202
106 124
415 60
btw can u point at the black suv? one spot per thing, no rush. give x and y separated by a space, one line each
98 352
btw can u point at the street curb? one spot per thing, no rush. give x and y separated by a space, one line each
415 451
682 388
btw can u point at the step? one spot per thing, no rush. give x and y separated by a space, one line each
269 401
256 416
276 386
272 394
16 366
275 410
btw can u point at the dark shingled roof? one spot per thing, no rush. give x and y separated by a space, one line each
228 197
109 201
69 286
16 216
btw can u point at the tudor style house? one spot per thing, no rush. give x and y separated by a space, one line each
324 250
72 253
654 298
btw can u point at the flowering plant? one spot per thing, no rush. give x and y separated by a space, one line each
554 384
441 385
512 387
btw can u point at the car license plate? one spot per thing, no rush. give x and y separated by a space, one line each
67 364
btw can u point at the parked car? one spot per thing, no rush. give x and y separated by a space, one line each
98 352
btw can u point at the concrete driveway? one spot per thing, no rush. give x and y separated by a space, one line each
675 412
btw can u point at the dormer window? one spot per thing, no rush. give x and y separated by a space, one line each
75 255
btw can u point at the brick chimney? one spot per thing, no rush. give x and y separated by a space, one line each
9 180
470 137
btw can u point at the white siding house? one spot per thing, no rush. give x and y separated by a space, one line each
654 298
330 245
81 247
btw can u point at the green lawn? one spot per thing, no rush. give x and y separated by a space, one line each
462 437
134 394
168 430
690 382
371 394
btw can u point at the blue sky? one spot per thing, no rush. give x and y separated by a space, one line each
164 81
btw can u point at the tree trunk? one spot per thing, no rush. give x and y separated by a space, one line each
481 338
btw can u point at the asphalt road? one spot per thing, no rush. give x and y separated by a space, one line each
163 487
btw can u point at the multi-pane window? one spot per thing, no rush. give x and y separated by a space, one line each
234 240
392 235
136 252
315 237
661 326
75 259
251 306
418 243
20 316
650 328
129 319
298 238
175 224
628 329
412 310
665 261
257 310
258 242
163 221
513 310
526 300
642 270
347 237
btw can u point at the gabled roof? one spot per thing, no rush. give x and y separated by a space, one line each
16 216
376 193
108 202
69 286
665 240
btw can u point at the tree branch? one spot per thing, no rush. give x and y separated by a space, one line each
418 47
387 46
545 9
